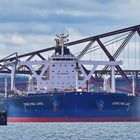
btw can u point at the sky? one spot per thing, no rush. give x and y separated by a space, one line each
30 25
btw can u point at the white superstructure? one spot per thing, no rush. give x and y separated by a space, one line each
63 71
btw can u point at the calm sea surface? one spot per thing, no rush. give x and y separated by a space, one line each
70 131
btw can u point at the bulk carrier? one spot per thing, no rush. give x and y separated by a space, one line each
60 88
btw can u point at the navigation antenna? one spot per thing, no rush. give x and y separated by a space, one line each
60 40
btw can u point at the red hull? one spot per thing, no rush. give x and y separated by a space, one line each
107 119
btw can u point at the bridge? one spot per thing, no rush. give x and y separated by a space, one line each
122 44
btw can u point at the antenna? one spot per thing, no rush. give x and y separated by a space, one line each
60 40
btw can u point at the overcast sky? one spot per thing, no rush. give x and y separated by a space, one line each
29 25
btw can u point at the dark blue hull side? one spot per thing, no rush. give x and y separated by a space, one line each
74 106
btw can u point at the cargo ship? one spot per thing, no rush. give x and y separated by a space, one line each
60 90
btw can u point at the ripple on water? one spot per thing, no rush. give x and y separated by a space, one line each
70 131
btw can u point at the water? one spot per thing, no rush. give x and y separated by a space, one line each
71 131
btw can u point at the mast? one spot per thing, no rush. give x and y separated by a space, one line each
113 88
60 42
13 71
133 84
6 86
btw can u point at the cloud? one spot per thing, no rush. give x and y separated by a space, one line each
24 28
35 23
48 11
18 40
